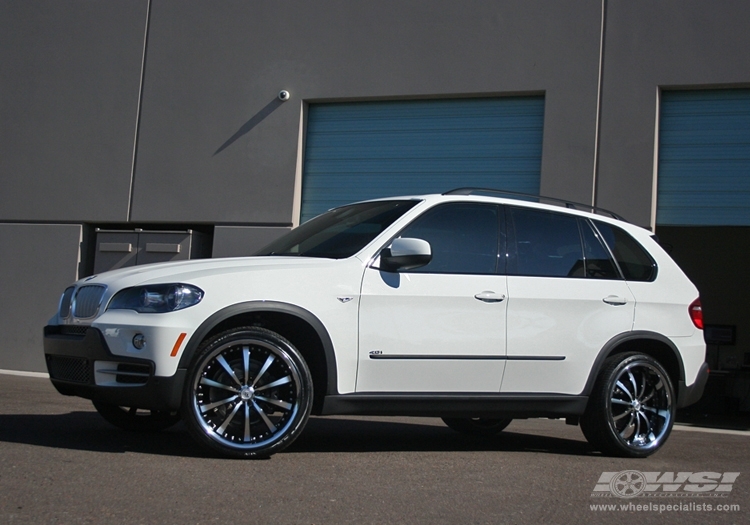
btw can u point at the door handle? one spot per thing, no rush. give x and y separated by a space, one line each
615 300
490 297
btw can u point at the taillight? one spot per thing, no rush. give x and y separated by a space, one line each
696 313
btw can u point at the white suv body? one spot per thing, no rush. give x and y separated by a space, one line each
467 306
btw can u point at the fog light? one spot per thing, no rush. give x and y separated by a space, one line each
139 341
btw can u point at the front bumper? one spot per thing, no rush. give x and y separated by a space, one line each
81 364
689 394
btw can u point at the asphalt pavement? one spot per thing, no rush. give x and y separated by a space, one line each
61 463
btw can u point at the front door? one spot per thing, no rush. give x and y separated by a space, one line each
441 327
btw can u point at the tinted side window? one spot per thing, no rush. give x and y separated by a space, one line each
548 244
599 264
636 264
464 238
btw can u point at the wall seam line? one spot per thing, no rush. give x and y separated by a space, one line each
138 113
600 81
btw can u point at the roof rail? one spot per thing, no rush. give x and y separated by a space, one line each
538 198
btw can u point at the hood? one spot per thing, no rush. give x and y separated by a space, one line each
187 271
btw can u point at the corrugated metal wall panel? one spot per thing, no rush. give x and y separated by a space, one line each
366 150
704 158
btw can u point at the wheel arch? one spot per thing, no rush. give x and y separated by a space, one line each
652 344
305 331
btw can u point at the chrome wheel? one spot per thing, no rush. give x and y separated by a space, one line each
640 407
250 393
631 410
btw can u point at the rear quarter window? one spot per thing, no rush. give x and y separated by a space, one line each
634 261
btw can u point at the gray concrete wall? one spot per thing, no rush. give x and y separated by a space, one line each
69 84
217 149
651 46
240 241
39 261
215 140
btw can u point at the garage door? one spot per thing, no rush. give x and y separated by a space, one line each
704 158
366 150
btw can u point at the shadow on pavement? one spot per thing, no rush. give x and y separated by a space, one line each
697 418
87 431
354 435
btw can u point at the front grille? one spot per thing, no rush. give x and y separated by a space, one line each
73 330
72 369
87 301
65 302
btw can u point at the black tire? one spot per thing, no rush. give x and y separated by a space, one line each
477 426
248 393
135 419
632 407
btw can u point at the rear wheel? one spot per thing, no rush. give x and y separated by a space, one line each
136 419
631 409
248 393
477 426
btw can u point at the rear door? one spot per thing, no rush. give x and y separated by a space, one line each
566 299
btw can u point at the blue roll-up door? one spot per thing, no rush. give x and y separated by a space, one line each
704 158
365 150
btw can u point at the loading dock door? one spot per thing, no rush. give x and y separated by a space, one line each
703 214
704 158
365 150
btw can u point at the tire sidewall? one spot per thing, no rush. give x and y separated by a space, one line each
206 352
612 374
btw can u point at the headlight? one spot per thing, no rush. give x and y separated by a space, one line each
157 298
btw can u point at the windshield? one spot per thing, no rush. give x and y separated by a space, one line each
341 232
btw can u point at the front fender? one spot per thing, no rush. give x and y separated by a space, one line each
263 306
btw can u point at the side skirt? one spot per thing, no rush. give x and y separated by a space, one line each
455 405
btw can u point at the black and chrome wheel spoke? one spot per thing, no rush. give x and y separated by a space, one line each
229 419
276 402
264 417
622 415
247 437
246 364
629 428
639 395
624 390
278 382
211 406
263 370
225 365
647 398
632 382
210 382
247 394
659 412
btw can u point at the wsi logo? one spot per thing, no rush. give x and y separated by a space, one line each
633 483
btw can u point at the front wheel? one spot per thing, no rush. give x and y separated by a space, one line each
632 406
477 426
135 419
248 393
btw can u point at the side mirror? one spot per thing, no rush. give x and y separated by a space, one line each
405 254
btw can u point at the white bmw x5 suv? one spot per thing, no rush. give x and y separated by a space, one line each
468 306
